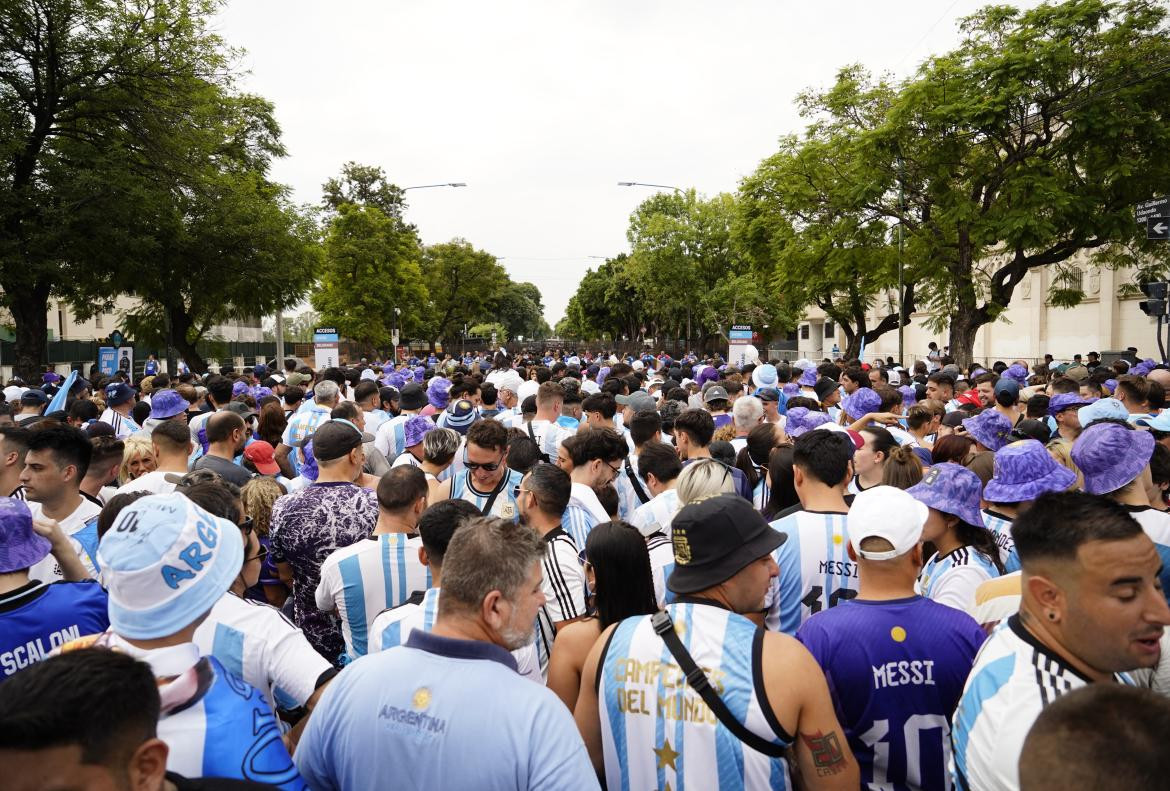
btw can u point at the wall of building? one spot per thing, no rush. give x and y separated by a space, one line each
1028 329
64 324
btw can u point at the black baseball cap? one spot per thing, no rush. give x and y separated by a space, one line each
413 396
335 438
716 538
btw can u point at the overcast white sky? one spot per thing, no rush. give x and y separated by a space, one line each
543 106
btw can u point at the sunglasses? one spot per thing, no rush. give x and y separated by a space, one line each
475 465
260 555
516 491
246 525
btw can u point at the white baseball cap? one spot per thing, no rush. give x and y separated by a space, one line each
886 512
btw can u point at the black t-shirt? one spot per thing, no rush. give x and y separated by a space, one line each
216 784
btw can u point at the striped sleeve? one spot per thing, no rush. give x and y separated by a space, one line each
577 522
564 580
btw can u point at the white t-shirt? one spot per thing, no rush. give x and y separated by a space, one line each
261 646
81 535
405 459
154 482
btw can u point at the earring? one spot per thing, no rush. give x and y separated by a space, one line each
1051 615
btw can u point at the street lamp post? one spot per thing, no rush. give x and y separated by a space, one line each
428 186
394 351
645 184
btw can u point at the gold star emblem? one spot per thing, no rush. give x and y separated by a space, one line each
421 699
666 755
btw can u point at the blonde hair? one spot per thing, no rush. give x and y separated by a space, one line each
1061 450
132 447
258 496
724 433
703 479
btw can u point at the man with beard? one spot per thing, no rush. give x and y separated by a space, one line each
416 712
1091 610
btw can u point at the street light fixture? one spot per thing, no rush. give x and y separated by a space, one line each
428 186
644 184
395 339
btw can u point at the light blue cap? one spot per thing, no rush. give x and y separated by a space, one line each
165 562
1102 408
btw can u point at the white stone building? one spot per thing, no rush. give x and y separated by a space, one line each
1029 328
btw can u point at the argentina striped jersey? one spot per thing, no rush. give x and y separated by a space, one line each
952 579
1000 526
815 570
391 627
366 577
1014 678
504 505
260 645
661 565
657 732
658 514
390 438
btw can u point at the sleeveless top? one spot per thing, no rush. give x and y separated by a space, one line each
658 733
503 506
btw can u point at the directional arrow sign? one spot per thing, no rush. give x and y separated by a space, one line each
1156 207
1158 228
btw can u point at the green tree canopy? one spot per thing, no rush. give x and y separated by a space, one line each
96 101
802 223
371 266
463 283
364 185
1027 145
518 309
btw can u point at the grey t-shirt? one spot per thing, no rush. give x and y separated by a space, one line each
229 471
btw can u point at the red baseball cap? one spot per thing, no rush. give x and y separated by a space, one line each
263 457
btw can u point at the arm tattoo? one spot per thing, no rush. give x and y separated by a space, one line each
826 752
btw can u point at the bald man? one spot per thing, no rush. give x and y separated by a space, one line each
227 433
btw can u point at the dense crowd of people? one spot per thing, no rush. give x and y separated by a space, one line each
567 570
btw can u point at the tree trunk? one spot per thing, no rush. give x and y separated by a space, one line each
968 316
180 326
964 327
30 307
852 349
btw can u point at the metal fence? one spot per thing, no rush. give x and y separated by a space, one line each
82 354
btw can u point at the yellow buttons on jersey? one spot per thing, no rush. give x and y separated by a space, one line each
898 634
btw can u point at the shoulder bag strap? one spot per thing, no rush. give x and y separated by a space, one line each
638 490
540 451
491 500
664 628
